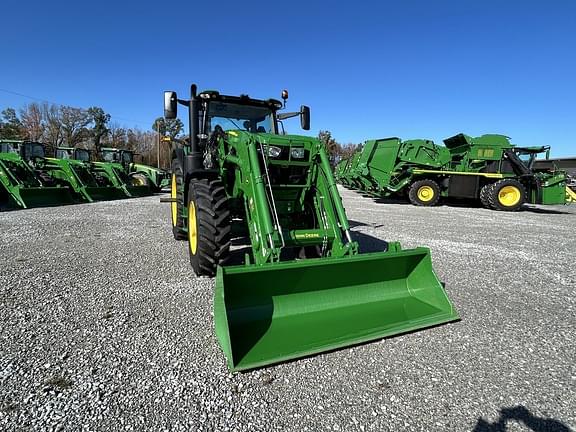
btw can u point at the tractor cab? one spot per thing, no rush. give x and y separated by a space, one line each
31 151
9 147
78 154
114 155
528 155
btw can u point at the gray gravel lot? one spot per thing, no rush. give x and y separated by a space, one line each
104 327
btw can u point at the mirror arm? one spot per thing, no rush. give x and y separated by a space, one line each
285 116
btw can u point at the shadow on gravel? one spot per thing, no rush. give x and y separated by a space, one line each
521 414
542 210
368 243
445 202
354 224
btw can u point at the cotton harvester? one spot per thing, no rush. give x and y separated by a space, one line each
304 288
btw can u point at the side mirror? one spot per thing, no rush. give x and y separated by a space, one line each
305 117
170 105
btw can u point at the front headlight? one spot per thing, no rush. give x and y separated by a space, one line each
273 151
297 153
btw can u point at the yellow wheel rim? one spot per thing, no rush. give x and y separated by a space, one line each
425 193
137 181
173 205
509 196
192 230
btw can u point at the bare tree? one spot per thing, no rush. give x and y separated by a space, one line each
74 125
53 133
116 136
33 121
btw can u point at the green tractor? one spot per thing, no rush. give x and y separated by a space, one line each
157 179
21 187
304 287
487 168
74 174
112 171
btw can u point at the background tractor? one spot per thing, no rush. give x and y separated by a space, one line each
157 179
112 172
64 172
487 168
303 288
22 187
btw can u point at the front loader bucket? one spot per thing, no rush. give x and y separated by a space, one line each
283 311
138 191
42 196
105 193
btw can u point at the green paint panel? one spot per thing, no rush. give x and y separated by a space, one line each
555 194
273 313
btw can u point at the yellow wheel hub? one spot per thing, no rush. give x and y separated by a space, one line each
425 193
192 229
509 196
173 205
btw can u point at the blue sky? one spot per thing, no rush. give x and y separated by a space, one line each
413 69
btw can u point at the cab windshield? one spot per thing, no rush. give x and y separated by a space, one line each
82 155
33 150
127 157
528 157
8 148
109 156
63 154
243 117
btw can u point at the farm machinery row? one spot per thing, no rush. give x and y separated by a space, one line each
488 168
29 178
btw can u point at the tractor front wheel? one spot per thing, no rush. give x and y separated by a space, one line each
177 196
507 195
208 226
424 193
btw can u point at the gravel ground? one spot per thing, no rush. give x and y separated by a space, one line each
104 327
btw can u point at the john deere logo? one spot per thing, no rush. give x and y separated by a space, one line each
307 236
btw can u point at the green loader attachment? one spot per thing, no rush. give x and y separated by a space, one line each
303 288
21 187
112 171
139 174
87 183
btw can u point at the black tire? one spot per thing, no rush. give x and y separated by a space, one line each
208 226
177 192
507 195
139 179
424 188
485 193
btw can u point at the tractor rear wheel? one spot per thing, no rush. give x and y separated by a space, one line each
507 195
208 225
177 194
485 193
424 193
